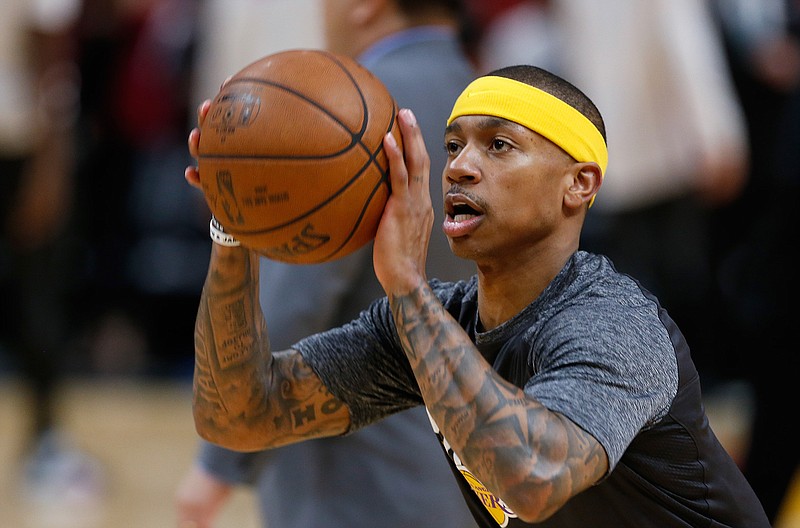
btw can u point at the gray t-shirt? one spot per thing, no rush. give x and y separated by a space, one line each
595 347
591 347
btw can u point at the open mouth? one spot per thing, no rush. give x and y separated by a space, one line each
459 208
462 213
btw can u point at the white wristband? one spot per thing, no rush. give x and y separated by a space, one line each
219 236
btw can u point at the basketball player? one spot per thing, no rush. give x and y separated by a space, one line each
561 391
368 478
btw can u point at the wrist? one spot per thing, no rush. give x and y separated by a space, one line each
219 236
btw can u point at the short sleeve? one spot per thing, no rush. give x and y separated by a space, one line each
612 375
363 364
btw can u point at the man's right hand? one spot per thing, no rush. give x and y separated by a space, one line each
401 244
199 498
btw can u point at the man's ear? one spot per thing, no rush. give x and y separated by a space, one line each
365 11
586 180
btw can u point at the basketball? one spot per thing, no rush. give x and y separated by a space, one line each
291 157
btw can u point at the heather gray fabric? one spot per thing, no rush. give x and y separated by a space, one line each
595 347
591 347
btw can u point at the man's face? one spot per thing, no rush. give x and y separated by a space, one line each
337 26
504 186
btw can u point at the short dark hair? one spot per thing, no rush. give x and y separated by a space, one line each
557 87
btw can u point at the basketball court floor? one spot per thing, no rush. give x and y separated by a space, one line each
142 435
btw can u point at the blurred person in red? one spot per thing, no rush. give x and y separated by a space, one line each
136 60
39 106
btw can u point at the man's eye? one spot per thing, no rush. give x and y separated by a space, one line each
451 147
499 144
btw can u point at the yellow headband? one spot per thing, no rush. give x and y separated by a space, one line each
537 110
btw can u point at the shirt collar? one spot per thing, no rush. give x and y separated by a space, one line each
398 40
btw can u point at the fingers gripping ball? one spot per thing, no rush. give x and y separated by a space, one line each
291 155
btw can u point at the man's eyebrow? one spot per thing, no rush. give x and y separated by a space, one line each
485 123
453 127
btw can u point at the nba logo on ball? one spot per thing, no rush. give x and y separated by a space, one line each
233 111
291 155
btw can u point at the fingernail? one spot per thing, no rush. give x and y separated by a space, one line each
411 119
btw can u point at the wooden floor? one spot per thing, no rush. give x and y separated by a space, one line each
144 437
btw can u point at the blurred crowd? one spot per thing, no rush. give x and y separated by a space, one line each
104 247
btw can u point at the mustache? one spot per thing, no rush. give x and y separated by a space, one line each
460 190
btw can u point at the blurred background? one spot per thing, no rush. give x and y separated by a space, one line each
104 246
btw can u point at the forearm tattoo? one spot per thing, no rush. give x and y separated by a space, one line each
509 441
231 359
240 387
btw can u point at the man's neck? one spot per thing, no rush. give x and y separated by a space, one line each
506 288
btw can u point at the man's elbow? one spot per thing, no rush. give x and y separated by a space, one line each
533 509
227 435
536 500
235 441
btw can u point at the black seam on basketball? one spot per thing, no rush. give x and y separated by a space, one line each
358 182
367 202
314 209
374 158
357 141
356 138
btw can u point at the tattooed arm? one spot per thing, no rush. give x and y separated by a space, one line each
531 458
245 397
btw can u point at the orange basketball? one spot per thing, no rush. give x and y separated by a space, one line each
291 155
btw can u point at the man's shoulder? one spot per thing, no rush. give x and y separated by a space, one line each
591 282
592 269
